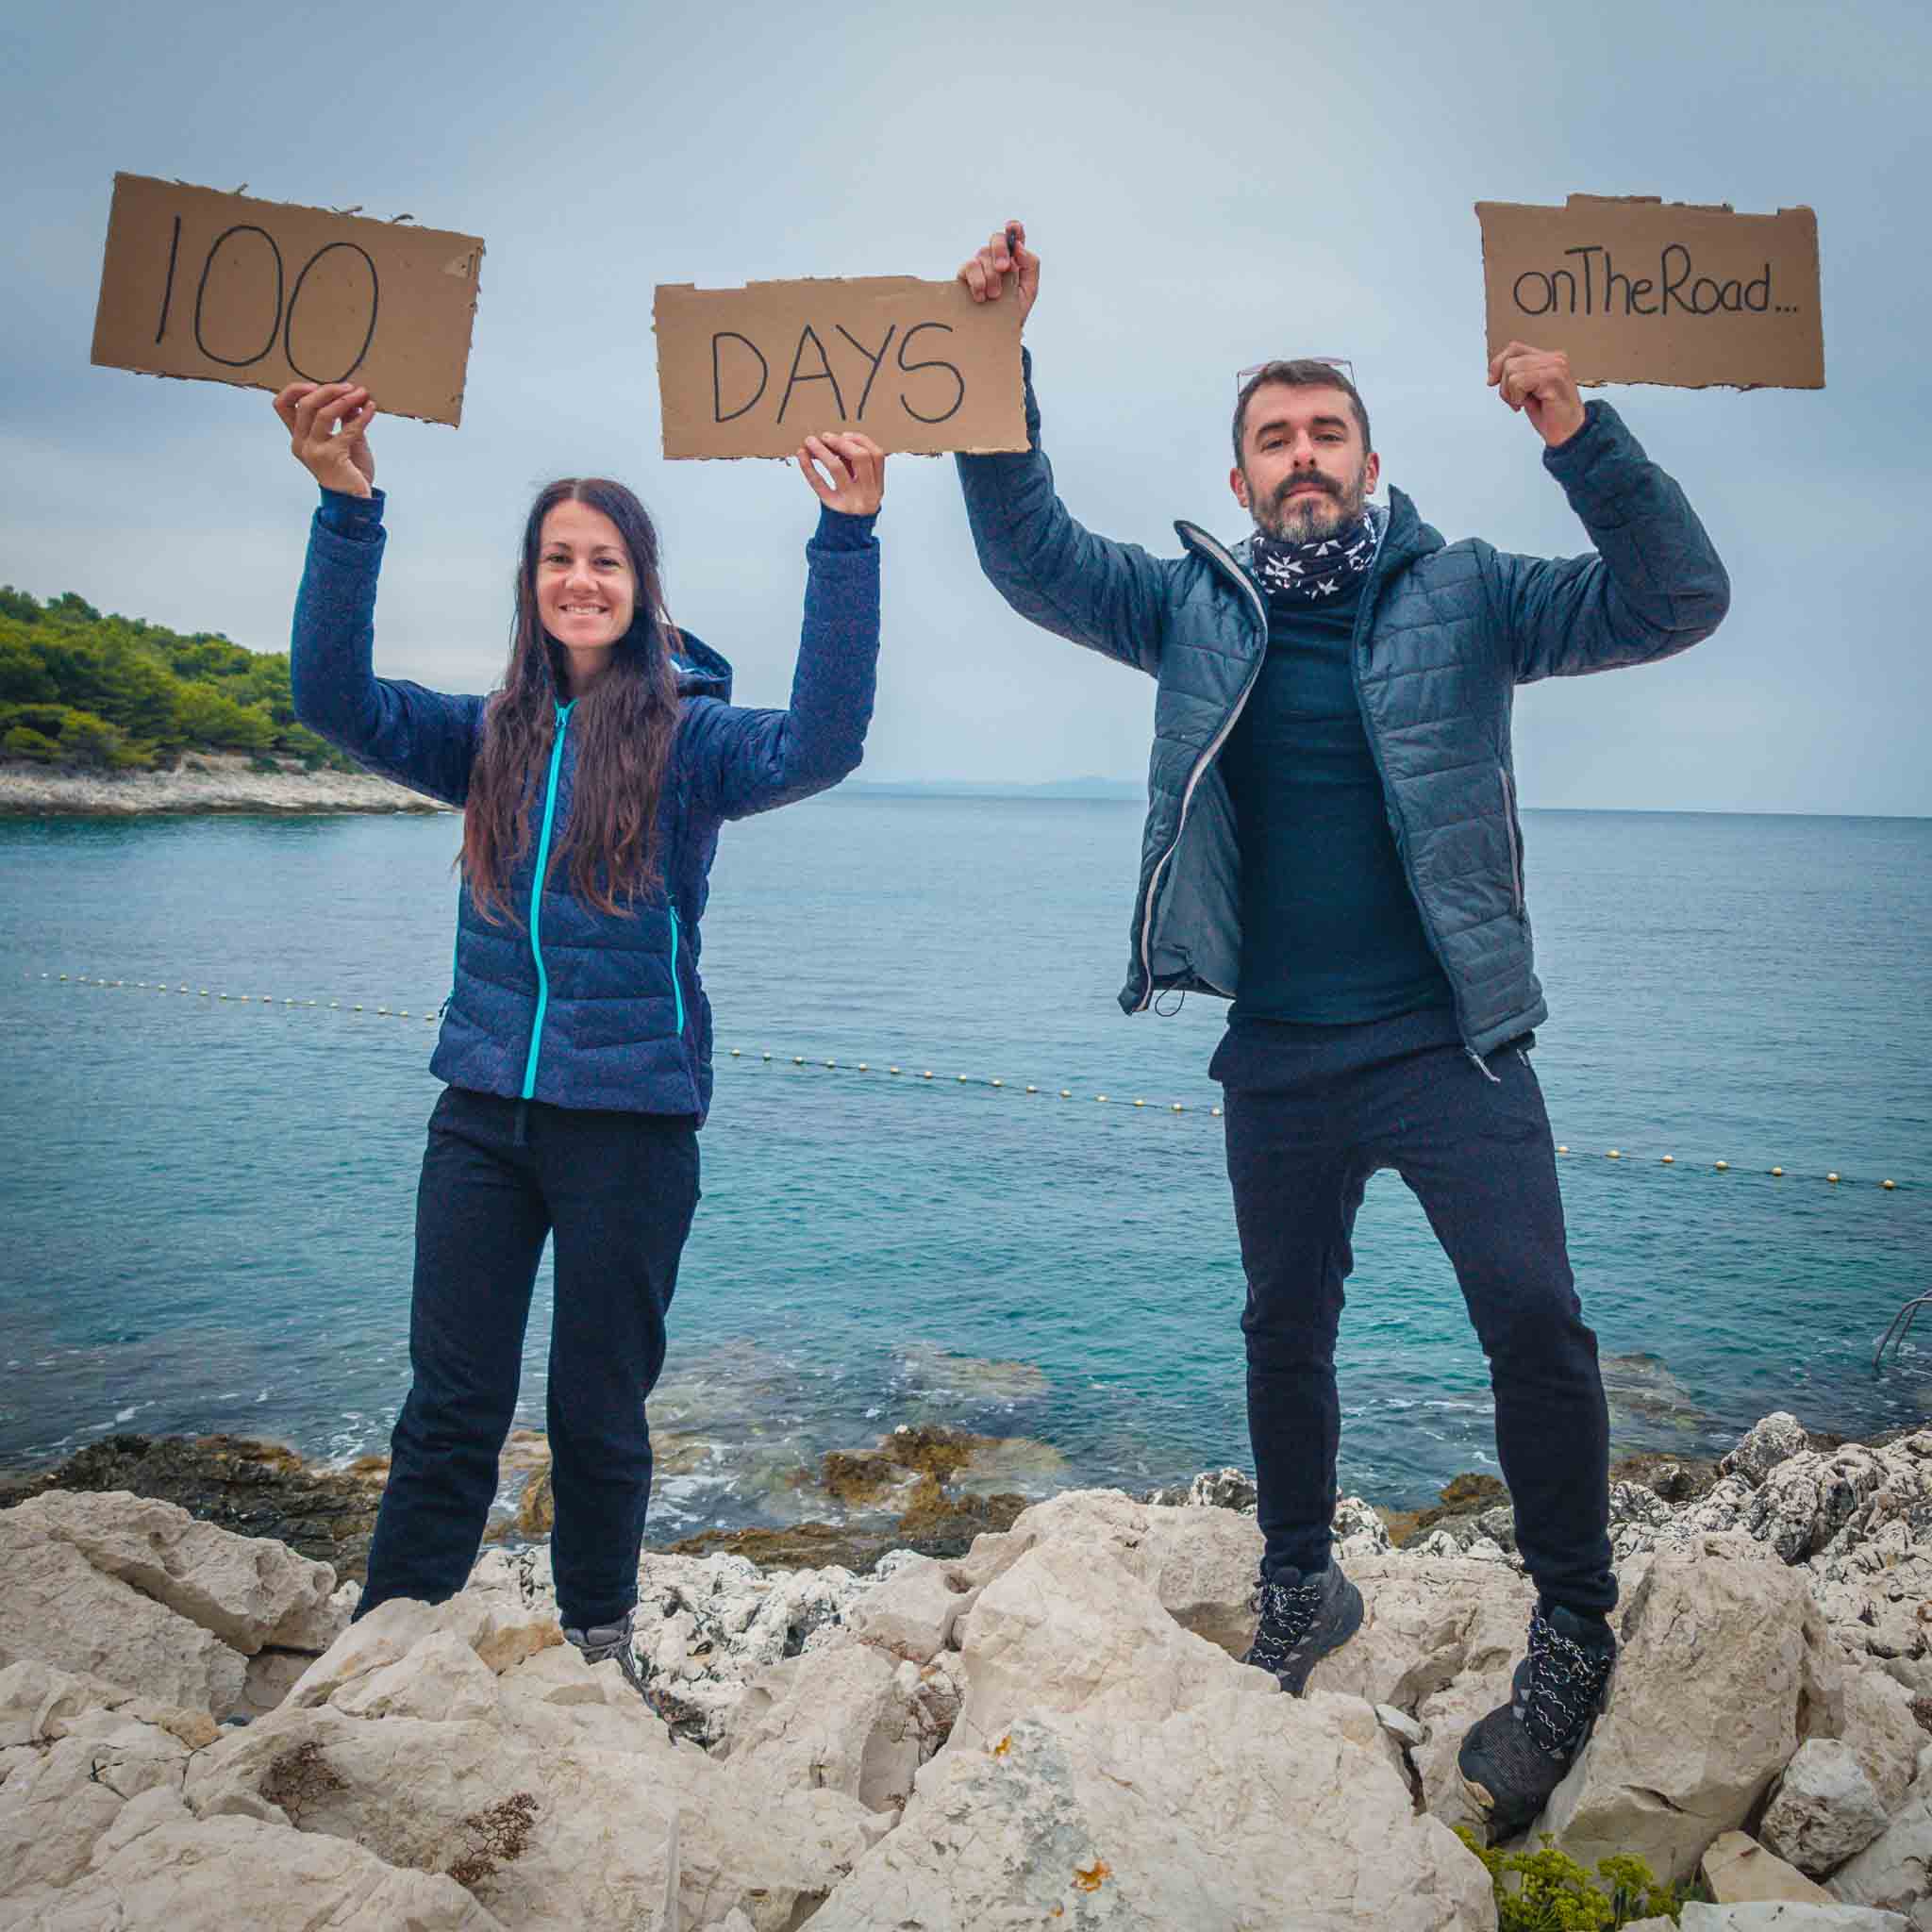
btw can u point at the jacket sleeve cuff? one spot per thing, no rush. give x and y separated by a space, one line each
839 531
1568 459
358 518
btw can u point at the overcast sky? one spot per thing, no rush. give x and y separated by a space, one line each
1206 187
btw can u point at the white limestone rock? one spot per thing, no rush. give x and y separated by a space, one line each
1788 1917
1214 1488
912 1613
1736 1870
1704 1713
846 1719
1201 1563
1112 1770
1771 1440
1894 1872
246 1590
1822 1809
187 1872
56 1607
1359 1530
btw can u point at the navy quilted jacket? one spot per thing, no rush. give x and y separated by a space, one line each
574 1006
1444 635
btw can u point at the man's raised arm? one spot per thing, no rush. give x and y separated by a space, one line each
1656 586
1111 597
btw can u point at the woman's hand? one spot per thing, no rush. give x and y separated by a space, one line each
854 472
328 430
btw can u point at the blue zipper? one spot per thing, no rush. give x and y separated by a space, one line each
676 984
563 712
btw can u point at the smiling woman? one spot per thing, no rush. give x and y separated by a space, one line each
577 1038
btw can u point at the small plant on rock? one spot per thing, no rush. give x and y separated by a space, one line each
1547 1891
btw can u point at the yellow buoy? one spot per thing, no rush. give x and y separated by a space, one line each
997 1083
1615 1154
1778 1171
738 1053
1215 1111
891 1070
1033 1089
1723 1167
767 1056
1831 1178
1887 1186
832 1064
1100 1097
926 1074
1178 1107
1561 1149
863 1068
798 1059
1066 1094
1140 1103
962 1079
1670 1160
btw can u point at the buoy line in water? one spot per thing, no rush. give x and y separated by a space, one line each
917 1076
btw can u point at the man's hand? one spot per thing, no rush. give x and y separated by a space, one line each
1005 268
853 472
328 431
1538 383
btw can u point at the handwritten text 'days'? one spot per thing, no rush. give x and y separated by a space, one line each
919 366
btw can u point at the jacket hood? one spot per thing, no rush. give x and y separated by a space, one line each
701 671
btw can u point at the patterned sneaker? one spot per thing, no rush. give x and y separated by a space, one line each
603 1642
1303 1618
1513 1759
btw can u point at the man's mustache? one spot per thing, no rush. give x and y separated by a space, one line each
1308 480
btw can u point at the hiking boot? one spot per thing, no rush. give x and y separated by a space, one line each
1513 1759
1303 1618
607 1643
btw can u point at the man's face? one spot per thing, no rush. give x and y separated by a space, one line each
1304 473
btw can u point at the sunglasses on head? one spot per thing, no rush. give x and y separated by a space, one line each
1244 376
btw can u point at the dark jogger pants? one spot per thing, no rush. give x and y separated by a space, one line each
616 1192
1307 1126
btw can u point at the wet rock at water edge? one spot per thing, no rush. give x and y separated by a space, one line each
249 1486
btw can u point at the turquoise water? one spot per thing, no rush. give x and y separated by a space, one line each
208 1205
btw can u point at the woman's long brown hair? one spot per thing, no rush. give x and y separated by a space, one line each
623 726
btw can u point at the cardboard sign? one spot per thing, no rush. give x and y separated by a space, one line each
223 289
1640 290
918 366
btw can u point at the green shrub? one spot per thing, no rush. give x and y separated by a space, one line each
1547 1891
23 741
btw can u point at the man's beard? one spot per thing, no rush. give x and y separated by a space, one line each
1312 517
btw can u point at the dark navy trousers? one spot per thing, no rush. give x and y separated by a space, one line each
615 1192
1310 1113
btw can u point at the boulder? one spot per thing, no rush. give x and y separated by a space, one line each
1201 1563
1771 1440
1822 1808
246 1590
1787 1918
848 1719
558 1801
1894 1872
1736 1870
182 1871
1704 1711
912 1614
1215 1489
1113 1770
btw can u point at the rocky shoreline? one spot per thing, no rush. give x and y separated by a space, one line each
202 782
1050 1728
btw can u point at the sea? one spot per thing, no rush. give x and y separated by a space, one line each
946 1178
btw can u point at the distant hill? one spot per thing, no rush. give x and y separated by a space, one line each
995 787
80 689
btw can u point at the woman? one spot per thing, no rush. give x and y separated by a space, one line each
577 1041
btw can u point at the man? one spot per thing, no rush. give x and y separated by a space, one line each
1333 844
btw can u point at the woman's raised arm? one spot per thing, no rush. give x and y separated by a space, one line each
423 738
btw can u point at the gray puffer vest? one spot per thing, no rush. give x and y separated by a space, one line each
1444 635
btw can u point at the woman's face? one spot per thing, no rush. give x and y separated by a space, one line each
586 587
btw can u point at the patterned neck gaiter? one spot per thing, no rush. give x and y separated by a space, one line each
1314 571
